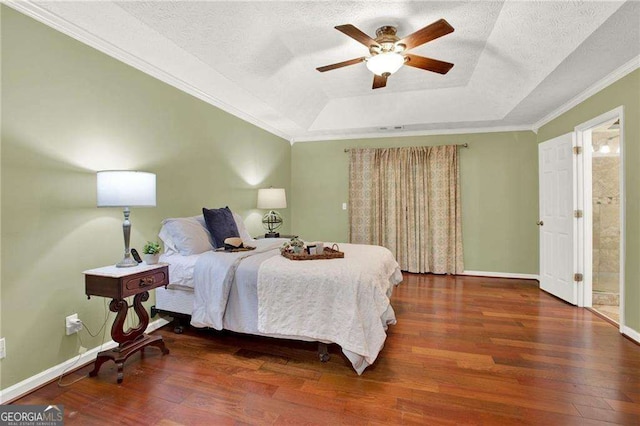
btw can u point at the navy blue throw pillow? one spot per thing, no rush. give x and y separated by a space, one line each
220 224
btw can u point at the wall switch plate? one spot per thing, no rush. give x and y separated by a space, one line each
3 349
72 324
344 206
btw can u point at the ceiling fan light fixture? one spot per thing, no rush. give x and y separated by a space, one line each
385 63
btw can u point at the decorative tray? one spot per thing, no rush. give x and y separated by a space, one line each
329 253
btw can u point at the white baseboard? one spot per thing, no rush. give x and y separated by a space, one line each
502 275
19 389
631 333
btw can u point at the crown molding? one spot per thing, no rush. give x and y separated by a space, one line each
393 134
54 21
614 76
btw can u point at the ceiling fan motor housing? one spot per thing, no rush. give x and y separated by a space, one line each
386 38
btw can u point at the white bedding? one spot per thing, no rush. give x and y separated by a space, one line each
344 301
214 274
181 269
227 296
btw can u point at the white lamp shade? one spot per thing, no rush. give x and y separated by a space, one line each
124 188
387 62
272 198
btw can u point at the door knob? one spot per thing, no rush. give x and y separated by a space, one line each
540 223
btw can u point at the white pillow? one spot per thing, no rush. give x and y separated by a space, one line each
167 242
189 235
185 235
242 229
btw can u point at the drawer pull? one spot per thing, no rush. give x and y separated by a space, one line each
147 281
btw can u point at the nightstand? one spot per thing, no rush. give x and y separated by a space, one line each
287 236
118 283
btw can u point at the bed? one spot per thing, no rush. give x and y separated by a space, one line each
259 292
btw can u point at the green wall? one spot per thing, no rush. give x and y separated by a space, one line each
625 92
499 183
68 111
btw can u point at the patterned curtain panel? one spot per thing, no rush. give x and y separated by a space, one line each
360 196
408 200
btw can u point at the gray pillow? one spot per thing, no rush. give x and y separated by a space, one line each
221 225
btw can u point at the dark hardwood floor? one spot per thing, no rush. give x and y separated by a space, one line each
466 350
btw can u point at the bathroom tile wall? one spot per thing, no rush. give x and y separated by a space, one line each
606 224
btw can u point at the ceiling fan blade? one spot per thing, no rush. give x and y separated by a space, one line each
428 33
379 81
341 64
357 35
428 64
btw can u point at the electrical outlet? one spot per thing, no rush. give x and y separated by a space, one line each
344 206
3 349
72 324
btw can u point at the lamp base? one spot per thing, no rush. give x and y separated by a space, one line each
272 221
127 262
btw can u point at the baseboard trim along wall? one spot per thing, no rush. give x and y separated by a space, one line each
502 275
22 388
631 333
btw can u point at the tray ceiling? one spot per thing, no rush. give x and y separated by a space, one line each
515 61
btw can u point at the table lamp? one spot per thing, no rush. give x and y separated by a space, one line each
272 198
124 188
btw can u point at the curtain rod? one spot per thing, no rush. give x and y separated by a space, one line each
462 145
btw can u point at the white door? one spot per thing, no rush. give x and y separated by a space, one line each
557 195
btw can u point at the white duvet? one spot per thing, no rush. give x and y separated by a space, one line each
342 301
213 276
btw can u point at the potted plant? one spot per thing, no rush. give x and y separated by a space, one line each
151 252
295 246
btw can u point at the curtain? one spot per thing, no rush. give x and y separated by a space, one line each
360 196
408 200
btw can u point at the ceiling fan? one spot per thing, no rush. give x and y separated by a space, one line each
388 51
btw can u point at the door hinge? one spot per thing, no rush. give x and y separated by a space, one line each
578 277
577 150
578 214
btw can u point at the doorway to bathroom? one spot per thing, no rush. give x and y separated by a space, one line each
602 234
605 201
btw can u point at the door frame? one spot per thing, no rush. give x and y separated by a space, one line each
584 247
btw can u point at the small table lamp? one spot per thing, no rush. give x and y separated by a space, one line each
123 188
272 198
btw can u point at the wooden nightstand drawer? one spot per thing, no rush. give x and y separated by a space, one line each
146 281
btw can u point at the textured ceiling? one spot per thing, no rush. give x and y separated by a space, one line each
515 61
